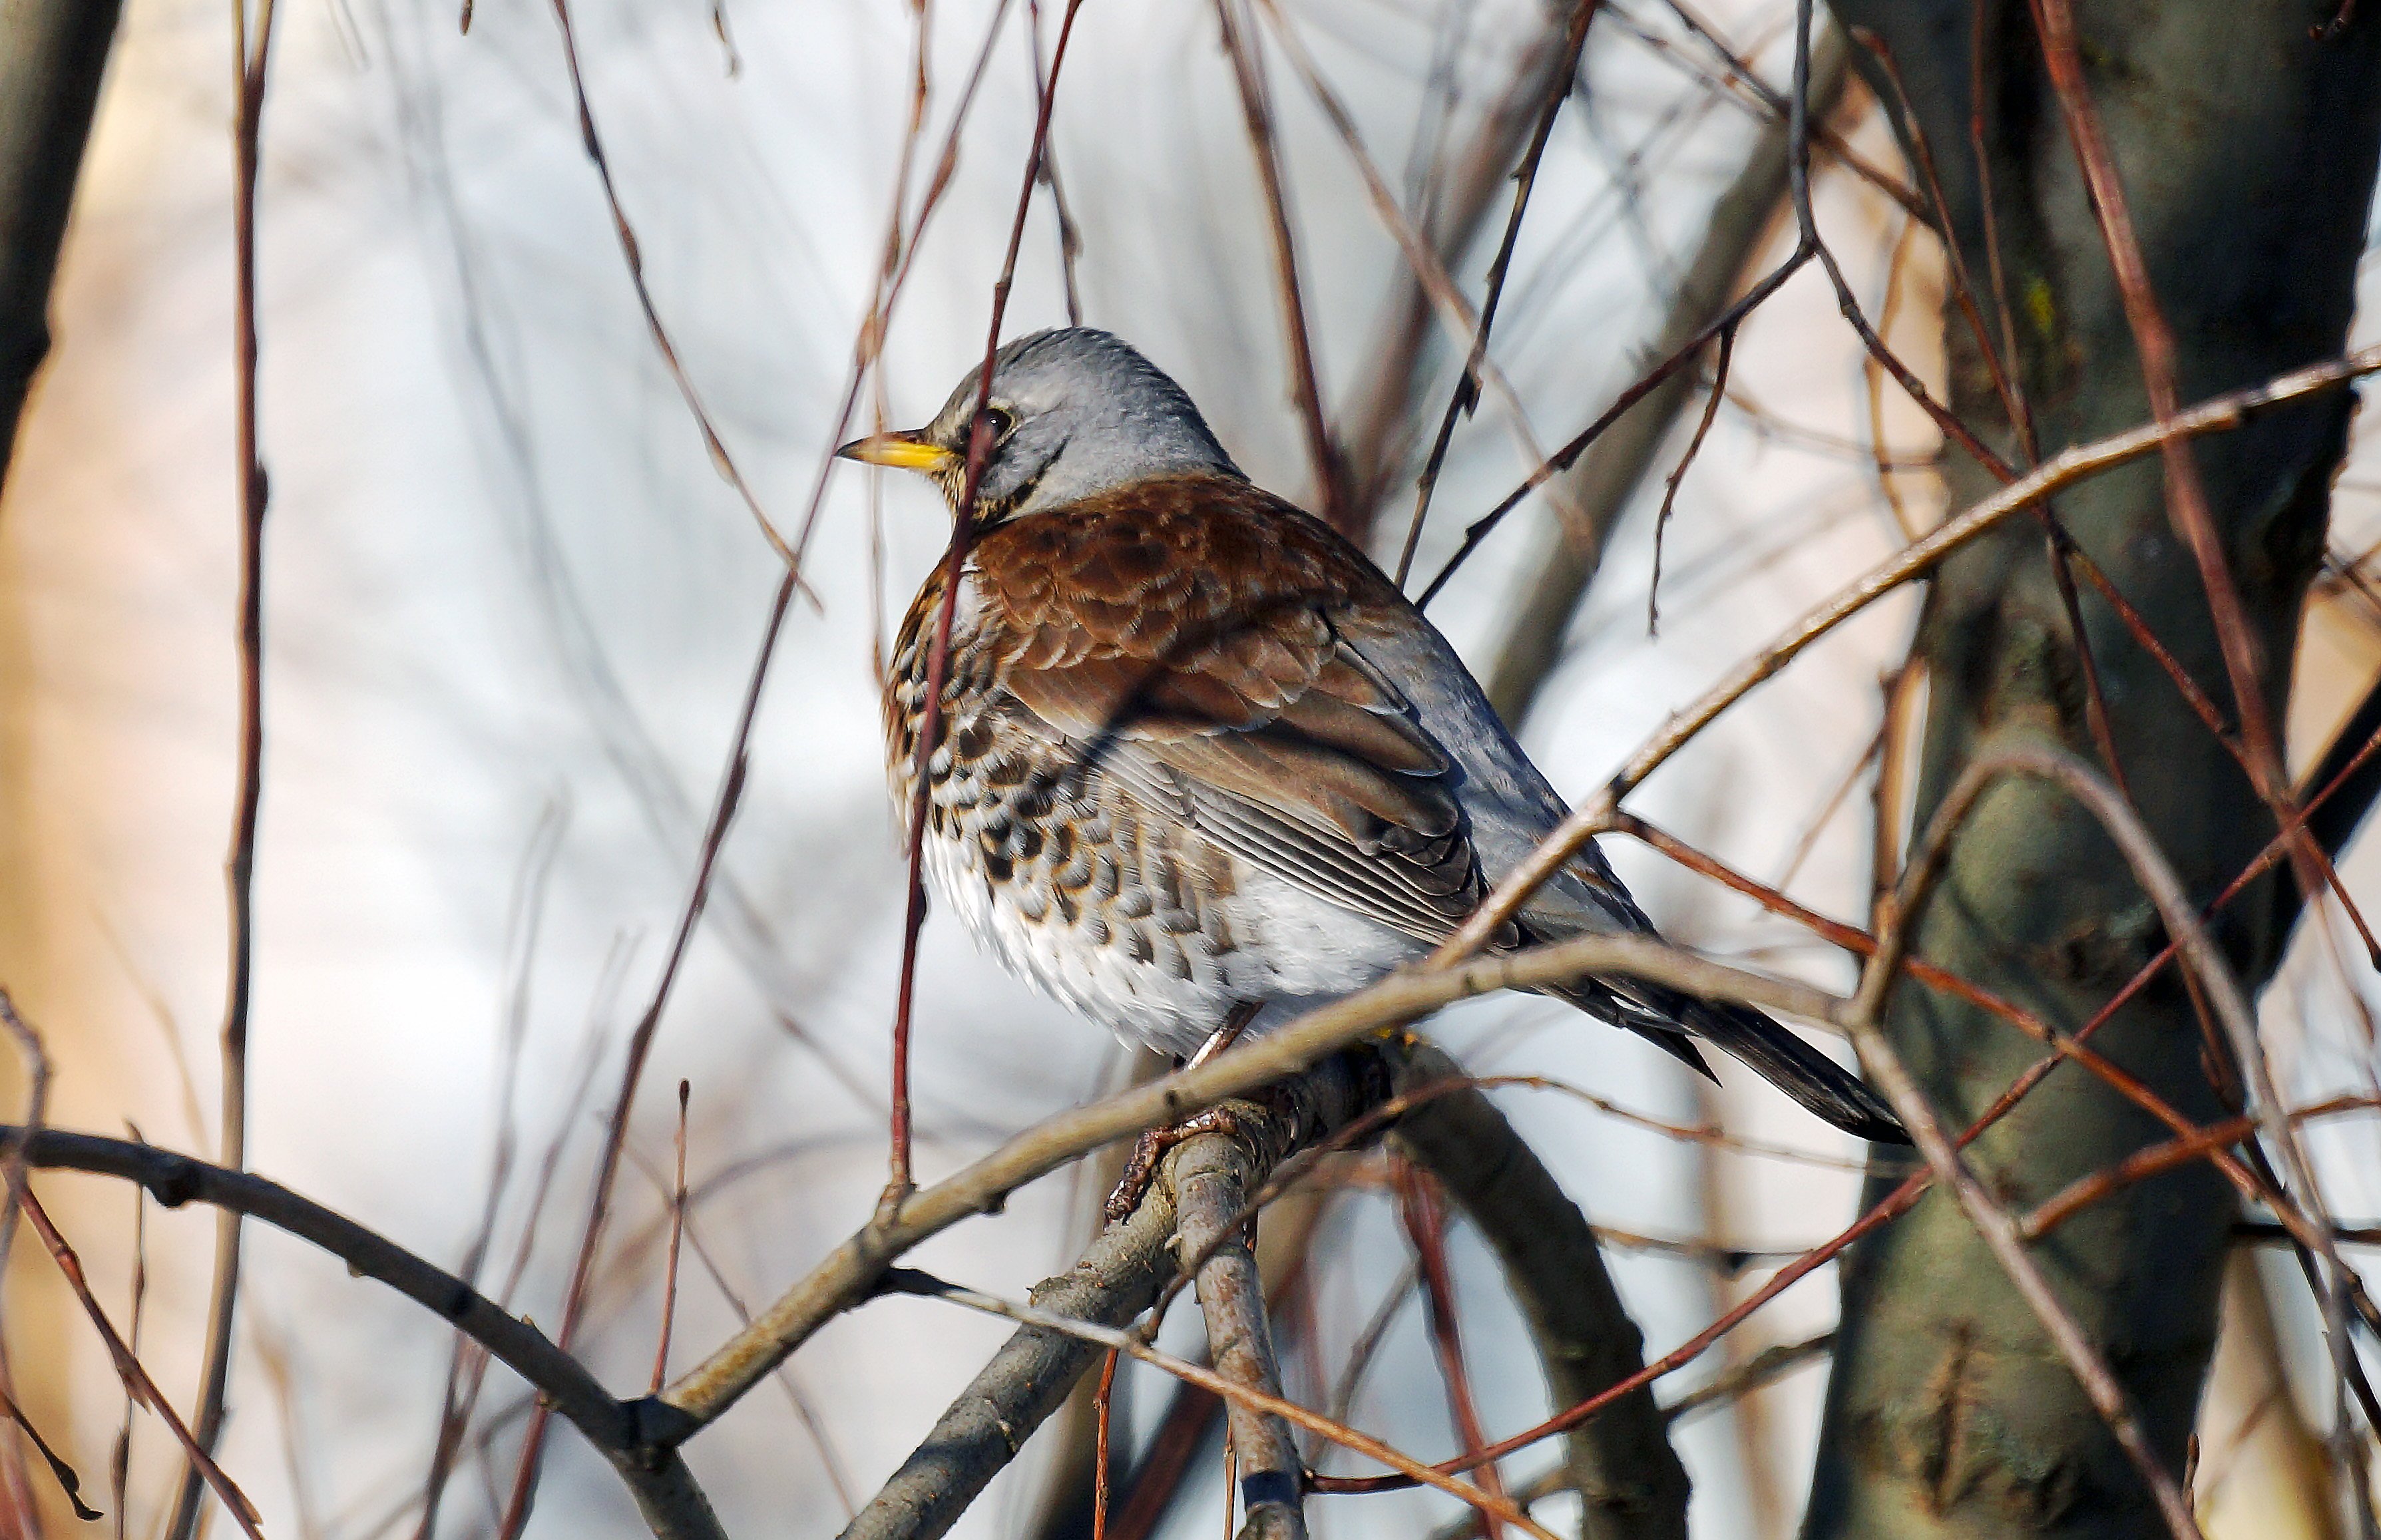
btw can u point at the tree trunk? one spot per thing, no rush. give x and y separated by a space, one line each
2247 148
52 53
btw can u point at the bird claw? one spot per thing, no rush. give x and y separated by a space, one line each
1152 1147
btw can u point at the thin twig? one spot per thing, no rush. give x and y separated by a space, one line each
1256 113
911 1281
633 256
1425 1227
2141 1165
136 1379
1670 484
119 1460
250 59
665 1493
1525 182
1455 313
898 1183
677 1233
1620 449
13 1172
2071 465
18 1498
1070 236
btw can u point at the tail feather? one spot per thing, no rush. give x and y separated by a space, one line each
1818 1083
1823 1087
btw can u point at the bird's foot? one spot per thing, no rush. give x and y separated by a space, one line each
1152 1147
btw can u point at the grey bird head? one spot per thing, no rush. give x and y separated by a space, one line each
1073 413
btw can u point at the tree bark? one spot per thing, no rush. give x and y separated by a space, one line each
2246 146
52 54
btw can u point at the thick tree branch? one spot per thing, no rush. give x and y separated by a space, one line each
1213 1178
665 1493
1117 1279
848 1276
1621 1464
1026 1381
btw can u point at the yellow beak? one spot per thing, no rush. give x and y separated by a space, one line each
903 452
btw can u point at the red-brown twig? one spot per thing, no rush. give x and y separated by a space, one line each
1455 313
250 58
2141 1165
1891 1206
677 1234
1101 1404
2186 505
2076 463
898 1184
911 1281
1425 1226
119 1460
136 1379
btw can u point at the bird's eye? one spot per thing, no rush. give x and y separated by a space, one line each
999 421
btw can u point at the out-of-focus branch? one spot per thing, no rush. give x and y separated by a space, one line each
51 54
137 1383
1770 1364
911 1280
1630 1480
1256 110
1380 422
1117 1279
1606 478
2077 463
16 1497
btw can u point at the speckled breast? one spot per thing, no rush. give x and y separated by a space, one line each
1069 876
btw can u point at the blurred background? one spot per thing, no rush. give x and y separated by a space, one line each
511 610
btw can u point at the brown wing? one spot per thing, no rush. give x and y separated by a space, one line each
1181 635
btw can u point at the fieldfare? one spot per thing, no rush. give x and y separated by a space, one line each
1199 760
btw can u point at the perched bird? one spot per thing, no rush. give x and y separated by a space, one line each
1199 760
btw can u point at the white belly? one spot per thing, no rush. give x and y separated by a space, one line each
1279 944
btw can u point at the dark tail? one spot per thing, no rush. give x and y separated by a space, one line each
1822 1086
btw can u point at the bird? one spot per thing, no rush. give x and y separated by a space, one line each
1199 763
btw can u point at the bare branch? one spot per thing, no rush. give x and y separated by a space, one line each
849 1275
249 60
2071 465
1026 1381
1211 1179
911 1281
1117 1278
673 1506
